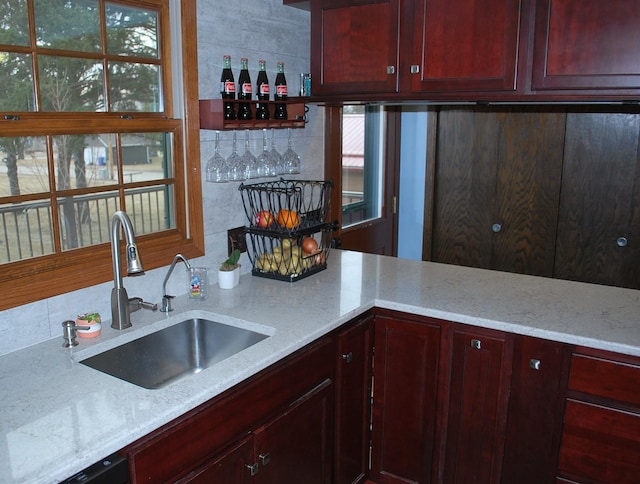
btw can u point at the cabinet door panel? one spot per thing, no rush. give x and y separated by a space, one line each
466 44
230 467
600 444
599 200
296 446
405 391
587 45
352 45
480 375
353 397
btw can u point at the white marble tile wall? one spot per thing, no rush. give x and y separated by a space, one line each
256 29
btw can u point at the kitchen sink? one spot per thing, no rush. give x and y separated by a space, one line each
168 355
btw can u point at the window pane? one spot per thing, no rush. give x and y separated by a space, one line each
146 156
65 25
16 77
86 219
362 164
132 31
69 84
24 169
83 161
27 231
14 23
135 87
151 209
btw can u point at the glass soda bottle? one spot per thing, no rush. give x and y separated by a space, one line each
262 91
281 93
228 88
244 90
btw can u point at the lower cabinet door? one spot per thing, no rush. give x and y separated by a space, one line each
296 446
233 466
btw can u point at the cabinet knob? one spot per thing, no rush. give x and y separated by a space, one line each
622 241
253 469
535 364
391 69
265 458
476 344
496 228
415 69
348 357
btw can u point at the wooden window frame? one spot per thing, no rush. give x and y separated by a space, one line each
31 280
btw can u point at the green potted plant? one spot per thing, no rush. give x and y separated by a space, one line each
229 272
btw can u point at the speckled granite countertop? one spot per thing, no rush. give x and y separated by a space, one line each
59 416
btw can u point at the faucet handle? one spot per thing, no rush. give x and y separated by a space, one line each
69 333
166 304
136 303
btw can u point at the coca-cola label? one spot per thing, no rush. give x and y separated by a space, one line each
281 90
264 89
246 88
229 87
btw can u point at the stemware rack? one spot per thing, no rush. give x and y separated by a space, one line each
212 115
295 210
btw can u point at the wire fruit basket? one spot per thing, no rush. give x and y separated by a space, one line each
288 229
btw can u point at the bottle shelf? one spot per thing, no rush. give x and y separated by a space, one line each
212 115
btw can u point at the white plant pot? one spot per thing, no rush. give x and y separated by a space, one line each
228 279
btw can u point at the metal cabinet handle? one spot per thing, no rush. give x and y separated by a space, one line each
348 357
535 364
622 241
391 69
415 69
476 344
253 469
496 228
265 458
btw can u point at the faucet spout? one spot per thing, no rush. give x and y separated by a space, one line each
120 312
166 300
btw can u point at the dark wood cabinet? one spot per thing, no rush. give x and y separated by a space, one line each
464 45
599 217
498 174
406 362
589 45
600 440
476 407
353 401
536 405
354 46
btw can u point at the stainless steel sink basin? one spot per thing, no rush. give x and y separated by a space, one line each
160 358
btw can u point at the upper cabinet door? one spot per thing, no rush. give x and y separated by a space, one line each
465 45
587 45
354 46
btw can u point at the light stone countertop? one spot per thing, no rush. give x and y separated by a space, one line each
59 416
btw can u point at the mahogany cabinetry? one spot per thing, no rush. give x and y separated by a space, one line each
601 432
475 49
245 435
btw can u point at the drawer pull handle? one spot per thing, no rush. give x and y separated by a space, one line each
348 357
253 469
476 344
535 364
265 458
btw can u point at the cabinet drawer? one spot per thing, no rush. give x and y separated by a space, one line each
606 378
600 444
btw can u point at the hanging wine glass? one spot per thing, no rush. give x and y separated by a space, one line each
217 168
234 162
265 161
249 161
291 158
275 154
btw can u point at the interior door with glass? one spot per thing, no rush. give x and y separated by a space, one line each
363 163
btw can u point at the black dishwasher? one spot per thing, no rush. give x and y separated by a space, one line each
110 470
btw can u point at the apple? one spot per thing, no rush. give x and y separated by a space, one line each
264 219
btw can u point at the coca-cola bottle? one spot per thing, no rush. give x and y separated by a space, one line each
244 90
228 88
262 91
281 93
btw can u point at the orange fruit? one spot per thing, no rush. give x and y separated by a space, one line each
288 218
